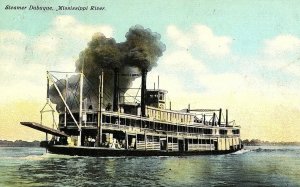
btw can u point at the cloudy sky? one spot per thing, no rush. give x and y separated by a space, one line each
237 55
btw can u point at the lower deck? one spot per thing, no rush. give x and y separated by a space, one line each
111 152
124 139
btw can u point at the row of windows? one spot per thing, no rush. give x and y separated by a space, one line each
169 116
156 126
173 140
200 141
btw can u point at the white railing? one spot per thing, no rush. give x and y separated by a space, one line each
198 147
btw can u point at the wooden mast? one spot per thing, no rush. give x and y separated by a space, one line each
80 109
100 101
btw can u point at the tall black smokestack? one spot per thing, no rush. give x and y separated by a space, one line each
226 117
116 90
143 92
220 116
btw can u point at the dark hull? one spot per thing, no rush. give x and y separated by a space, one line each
107 152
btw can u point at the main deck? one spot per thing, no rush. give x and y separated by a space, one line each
131 132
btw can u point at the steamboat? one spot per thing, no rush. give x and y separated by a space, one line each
147 127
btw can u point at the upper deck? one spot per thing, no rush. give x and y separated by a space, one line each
162 121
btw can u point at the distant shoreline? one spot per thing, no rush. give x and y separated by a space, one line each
256 142
19 143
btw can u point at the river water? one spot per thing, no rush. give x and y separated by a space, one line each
254 166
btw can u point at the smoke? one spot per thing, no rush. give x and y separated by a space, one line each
140 51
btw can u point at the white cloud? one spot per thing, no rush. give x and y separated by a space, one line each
282 45
12 42
178 37
203 37
212 44
66 38
181 60
281 54
68 25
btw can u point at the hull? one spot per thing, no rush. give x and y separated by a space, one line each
108 152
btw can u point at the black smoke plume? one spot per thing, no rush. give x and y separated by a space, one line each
140 51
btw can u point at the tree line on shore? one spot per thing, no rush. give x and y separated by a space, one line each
256 142
19 143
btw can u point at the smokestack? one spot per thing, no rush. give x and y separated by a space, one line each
226 117
143 93
116 90
220 116
213 119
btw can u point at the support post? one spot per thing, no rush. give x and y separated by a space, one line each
99 134
143 93
126 139
145 135
47 86
167 146
116 91
80 109
66 99
135 140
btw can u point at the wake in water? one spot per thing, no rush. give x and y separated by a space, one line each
243 151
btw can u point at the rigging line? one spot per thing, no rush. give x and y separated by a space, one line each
56 79
137 92
107 95
75 95
93 90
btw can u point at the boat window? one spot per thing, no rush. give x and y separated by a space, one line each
174 140
140 137
149 138
161 96
62 118
107 119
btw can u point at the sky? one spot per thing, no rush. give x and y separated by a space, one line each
237 55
